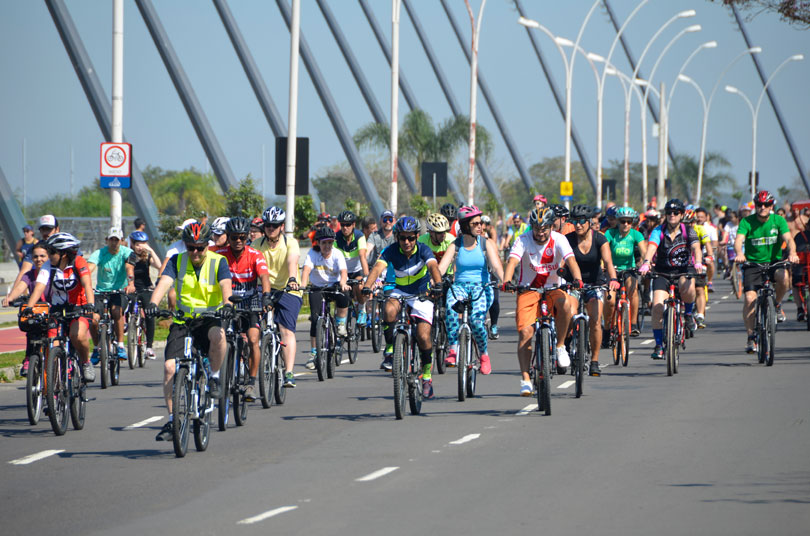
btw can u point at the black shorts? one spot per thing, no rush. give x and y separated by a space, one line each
752 278
659 283
115 300
700 280
175 342
246 320
356 275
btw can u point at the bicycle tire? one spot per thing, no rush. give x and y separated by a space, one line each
34 388
57 394
625 334
331 350
806 308
322 352
78 403
103 357
736 280
761 329
266 377
376 327
415 394
115 365
398 373
669 339
544 372
580 360
440 346
640 318
280 392
462 358
132 340
226 384
239 403
181 411
141 342
353 340
472 372
771 333
202 424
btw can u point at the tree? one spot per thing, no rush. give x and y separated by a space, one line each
305 215
683 176
793 11
244 199
91 201
175 191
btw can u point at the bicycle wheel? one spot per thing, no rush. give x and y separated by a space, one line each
353 340
615 340
762 329
280 391
543 354
414 380
640 318
736 280
239 403
266 374
202 424
114 363
669 339
132 340
34 388
331 350
771 329
806 295
625 334
376 326
321 343
78 401
472 371
462 360
57 391
181 411
581 357
398 372
103 357
141 342
225 386
439 345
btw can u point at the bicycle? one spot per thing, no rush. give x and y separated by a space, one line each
271 364
438 330
675 330
236 369
580 345
736 279
765 312
328 351
191 398
375 319
619 334
35 325
804 286
109 366
468 356
352 338
406 365
136 331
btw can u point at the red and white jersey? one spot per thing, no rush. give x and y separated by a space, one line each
66 286
539 263
246 270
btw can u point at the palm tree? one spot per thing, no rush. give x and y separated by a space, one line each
683 177
173 193
419 141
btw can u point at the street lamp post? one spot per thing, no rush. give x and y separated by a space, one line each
395 10
684 78
476 34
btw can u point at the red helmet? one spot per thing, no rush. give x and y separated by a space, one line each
324 216
467 212
763 197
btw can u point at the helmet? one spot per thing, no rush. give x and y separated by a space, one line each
560 211
62 241
581 211
257 222
347 217
218 227
449 211
540 197
674 204
274 215
238 225
541 217
138 236
485 219
437 223
626 212
324 233
652 213
197 233
467 212
407 224
688 216
763 197
611 212
324 216
690 206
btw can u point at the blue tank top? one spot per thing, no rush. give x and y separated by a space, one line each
471 265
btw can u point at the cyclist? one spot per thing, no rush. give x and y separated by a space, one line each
561 214
202 282
351 242
142 259
248 271
413 265
800 272
25 244
591 251
762 234
652 219
472 256
175 248
450 212
218 235
48 225
669 251
539 201
113 274
69 284
702 219
540 253
624 240
324 267
689 219
281 256
256 230
323 220
382 238
495 309
437 237
729 236
609 221
514 231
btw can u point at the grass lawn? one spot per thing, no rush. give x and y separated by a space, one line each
8 360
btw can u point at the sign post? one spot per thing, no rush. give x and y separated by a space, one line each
434 180
115 165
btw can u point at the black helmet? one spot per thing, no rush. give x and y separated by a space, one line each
581 212
541 217
196 233
324 233
560 211
237 225
449 211
347 217
674 204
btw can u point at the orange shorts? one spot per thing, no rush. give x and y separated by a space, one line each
528 306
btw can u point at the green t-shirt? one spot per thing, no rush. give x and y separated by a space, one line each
763 242
111 272
623 249
438 251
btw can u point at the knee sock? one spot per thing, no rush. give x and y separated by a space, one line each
388 333
425 357
659 336
688 308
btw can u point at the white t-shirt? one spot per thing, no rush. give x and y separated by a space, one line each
325 271
731 231
539 264
175 248
711 231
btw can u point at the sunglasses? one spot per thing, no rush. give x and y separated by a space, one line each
760 205
674 212
582 221
628 222
410 238
388 220
272 225
236 237
191 248
476 223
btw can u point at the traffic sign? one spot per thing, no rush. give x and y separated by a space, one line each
115 160
115 182
566 188
566 198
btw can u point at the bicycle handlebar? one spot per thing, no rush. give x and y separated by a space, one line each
764 266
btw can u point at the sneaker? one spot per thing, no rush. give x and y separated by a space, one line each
165 433
562 358
691 325
525 388
89 372
122 353
250 393
710 286
700 321
595 370
780 314
313 355
94 359
341 329
213 388
658 352
24 369
800 316
450 360
150 354
634 331
751 347
493 332
486 366
427 389
289 380
387 362
362 317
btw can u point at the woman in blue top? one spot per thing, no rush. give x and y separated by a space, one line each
476 257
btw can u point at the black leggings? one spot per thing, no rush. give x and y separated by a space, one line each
315 300
495 309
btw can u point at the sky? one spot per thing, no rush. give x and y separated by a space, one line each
43 106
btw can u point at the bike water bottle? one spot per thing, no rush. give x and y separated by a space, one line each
207 365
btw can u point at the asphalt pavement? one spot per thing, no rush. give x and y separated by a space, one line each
720 448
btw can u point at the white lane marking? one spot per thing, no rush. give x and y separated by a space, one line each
724 297
528 409
648 341
566 385
302 374
31 458
266 515
466 439
509 313
376 474
144 422
344 361
708 307
630 352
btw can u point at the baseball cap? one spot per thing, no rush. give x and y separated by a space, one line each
386 214
48 220
27 228
540 197
115 232
183 225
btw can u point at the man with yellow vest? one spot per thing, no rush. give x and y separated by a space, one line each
202 281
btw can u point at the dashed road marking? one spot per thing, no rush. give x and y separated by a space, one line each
144 422
566 385
725 297
630 352
466 439
648 341
266 515
376 474
528 409
31 458
302 374
344 361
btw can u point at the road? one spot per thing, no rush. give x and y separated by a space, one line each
721 448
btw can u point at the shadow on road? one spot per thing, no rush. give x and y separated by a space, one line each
129 454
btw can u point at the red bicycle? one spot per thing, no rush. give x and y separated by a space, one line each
620 322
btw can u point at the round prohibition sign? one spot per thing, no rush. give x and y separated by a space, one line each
115 157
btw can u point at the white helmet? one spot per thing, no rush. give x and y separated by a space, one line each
274 215
62 241
218 227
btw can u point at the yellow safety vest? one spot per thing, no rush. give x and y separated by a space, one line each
198 295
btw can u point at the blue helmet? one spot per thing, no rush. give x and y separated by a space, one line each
406 224
611 212
138 236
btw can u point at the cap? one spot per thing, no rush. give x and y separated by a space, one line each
183 225
115 232
386 214
540 197
27 228
48 220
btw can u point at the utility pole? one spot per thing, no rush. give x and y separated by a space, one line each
117 100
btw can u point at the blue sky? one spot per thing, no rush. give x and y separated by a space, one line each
42 102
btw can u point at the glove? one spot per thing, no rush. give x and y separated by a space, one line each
614 284
151 309
267 299
699 267
90 308
644 268
366 291
578 283
227 311
437 288
508 287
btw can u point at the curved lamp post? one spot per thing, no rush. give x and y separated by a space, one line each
476 33
684 78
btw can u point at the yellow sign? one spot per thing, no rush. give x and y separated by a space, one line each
567 188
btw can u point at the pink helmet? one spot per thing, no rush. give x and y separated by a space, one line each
467 212
540 197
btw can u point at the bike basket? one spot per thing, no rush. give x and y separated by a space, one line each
26 322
